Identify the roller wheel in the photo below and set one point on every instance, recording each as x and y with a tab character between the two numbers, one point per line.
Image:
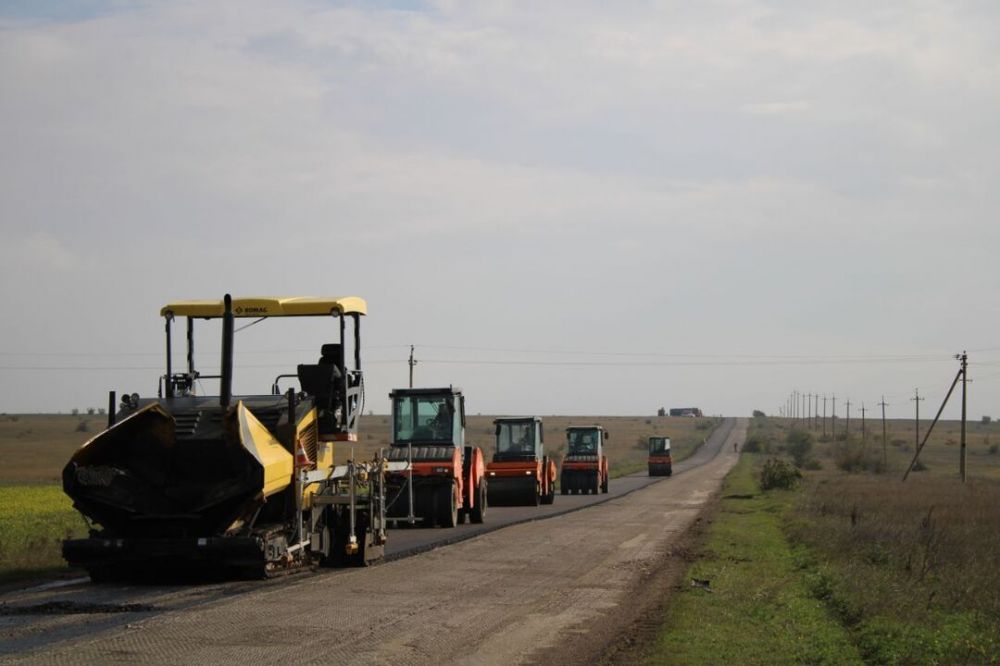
478	513
536	496
447	510
549	497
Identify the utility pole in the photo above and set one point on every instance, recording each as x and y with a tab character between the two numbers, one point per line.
930	429
809	418
965	380
916	400
833	418
824	416
885	461
412	362
863	440
847	424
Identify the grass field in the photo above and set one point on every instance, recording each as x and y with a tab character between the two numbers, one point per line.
34	519
35	515
905	570
760	609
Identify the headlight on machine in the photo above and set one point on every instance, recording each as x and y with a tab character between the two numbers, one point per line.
442	470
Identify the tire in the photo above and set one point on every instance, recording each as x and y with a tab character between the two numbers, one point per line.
670	471
549	497
604	486
536	496
477	514
447	509
596	489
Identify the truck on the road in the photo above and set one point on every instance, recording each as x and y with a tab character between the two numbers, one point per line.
585	466
445	480
240	484
520	473
660	463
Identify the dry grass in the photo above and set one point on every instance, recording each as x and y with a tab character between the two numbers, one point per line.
940	455
909	568
35	447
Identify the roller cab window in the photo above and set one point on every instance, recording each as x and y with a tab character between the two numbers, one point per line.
428	419
583	442
659	445
516	438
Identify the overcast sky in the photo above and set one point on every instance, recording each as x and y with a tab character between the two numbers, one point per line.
651	203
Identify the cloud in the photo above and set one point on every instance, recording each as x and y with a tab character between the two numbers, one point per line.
777	108
694	164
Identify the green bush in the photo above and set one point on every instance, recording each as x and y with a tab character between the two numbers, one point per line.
779	474
799	446
756	443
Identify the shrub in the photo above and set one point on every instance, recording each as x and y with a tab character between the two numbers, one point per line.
757	414
82	426
778	474
852	458
756	443
812	464
799	445
986	420
994	448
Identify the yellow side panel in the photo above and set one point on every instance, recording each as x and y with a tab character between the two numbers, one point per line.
278	463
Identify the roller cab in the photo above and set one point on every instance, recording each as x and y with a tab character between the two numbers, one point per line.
520	473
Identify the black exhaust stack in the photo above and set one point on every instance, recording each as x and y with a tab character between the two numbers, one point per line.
226	390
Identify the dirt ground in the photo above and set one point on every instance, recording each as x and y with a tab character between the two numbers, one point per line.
568	590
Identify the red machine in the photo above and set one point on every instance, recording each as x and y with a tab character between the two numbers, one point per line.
660	462
446	482
585	467
520	472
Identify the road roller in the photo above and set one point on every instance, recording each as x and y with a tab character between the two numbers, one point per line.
520	473
444	480
659	462
584	468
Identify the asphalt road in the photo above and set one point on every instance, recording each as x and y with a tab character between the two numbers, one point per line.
54	622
